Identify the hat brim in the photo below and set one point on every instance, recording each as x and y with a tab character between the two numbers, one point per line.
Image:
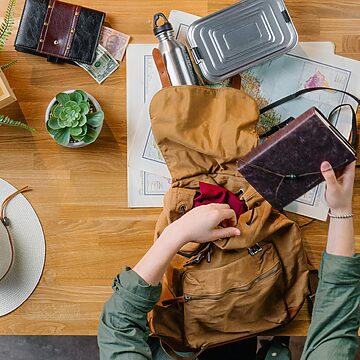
29	251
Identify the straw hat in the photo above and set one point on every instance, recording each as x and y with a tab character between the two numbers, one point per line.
19	277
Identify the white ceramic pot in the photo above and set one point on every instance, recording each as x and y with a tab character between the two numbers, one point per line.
97	107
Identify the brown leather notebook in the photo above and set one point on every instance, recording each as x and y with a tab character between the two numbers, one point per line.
287	164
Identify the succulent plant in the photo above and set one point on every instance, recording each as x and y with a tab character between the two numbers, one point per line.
73	118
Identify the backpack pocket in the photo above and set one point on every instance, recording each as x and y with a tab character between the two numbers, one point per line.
229	303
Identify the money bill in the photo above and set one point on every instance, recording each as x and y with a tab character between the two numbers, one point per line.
115	42
103	66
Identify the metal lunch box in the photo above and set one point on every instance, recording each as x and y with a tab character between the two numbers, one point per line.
241	36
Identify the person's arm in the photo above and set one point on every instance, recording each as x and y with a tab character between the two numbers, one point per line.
123	329
333	333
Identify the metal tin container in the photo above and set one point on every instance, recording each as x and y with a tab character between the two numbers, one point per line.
241	36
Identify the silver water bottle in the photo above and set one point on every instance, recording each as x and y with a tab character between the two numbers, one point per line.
174	53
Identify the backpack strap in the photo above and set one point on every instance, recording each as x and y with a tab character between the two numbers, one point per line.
173	355
304	91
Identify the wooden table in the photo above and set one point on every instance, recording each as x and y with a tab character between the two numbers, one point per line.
81	195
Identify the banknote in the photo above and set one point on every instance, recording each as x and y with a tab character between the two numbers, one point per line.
103	66
115	42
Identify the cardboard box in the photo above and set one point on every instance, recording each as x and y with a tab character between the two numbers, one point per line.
7	96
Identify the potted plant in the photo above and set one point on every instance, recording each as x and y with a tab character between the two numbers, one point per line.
74	118
5	31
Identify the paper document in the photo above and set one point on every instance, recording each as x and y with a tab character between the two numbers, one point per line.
140	70
145	189
181	21
144	153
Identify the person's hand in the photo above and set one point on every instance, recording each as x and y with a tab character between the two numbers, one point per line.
201	224
339	190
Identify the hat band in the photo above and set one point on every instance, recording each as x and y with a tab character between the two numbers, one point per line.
4	221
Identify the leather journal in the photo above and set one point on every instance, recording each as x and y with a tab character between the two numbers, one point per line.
60	31
287	164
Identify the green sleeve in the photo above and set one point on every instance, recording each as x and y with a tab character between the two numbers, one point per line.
333	333
123	330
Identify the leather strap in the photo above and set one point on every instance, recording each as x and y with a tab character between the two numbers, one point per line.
161	68
58	30
4	221
304	91
235	82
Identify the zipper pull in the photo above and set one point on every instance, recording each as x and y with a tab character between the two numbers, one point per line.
197	260
209	256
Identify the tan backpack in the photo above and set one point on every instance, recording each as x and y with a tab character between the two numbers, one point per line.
232	288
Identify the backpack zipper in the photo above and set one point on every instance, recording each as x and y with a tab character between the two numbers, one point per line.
188	297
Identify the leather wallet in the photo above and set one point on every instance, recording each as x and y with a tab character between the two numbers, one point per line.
60	31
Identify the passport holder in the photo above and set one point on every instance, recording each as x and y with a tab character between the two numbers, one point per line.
59	31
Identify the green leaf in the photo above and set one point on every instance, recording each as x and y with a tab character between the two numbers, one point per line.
53	124
56	110
4	120
83	133
95	119
62	98
75	96
85	108
50	130
7	23
63	116
78	138
8	65
91	136
62	136
82	120
62	123
84	130
76	109
70	104
83	94
75	131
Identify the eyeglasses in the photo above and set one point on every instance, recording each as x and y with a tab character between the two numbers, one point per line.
7	261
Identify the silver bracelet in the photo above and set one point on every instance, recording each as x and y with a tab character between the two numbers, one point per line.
345	216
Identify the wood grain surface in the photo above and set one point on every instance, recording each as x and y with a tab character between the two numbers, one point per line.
81	195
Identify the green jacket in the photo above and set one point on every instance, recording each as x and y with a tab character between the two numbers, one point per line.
333	333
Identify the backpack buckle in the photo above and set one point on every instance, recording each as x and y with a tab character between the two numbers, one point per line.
254	249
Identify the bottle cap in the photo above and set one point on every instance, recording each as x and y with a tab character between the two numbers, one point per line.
166	26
